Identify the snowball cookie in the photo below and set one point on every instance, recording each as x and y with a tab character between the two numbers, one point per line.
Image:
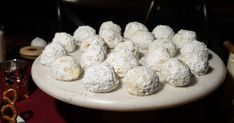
183	36
197	64
195	47
65	69
111	37
66	40
122	62
155	58
92	41
93	55
165	43
100	78
51	52
132	27
38	42
109	25
175	73
141	81
163	32
82	33
142	39
127	46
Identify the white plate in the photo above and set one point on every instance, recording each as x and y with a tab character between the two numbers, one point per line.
119	100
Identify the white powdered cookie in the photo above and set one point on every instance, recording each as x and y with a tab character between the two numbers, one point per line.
195	47
65	69
51	52
183	36
133	27
93	55
163	32
142	39
82	33
165	43
38	42
66	40
100	78
109	25
92	41
175	73
111	37
127	46
122	62
141	81
197	63
155	58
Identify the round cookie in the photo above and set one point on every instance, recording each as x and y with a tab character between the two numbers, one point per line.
142	39
92	41
111	37
164	43
175	73
133	27
93	55
38	42
155	58
183	36
198	65
100	78
122	62
30	52
82	33
163	32
51	52
65	69
109	25
141	81
127	46
65	40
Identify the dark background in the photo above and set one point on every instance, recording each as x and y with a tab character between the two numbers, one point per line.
31	18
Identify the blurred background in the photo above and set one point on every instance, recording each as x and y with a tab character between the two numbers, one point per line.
213	20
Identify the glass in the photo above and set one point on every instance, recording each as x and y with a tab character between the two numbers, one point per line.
14	74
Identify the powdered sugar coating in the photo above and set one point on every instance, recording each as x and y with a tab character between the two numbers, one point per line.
95	54
164	43
127	46
142	39
110	25
133	27
51	52
155	58
65	69
195	48
197	63
175	73
122	62
66	40
163	32
38	42
82	33
92	41
183	36
100	78
141	81
112	38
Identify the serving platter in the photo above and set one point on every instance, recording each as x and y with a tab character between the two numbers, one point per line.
120	100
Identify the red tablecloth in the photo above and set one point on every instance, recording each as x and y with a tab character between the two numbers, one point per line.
39	108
